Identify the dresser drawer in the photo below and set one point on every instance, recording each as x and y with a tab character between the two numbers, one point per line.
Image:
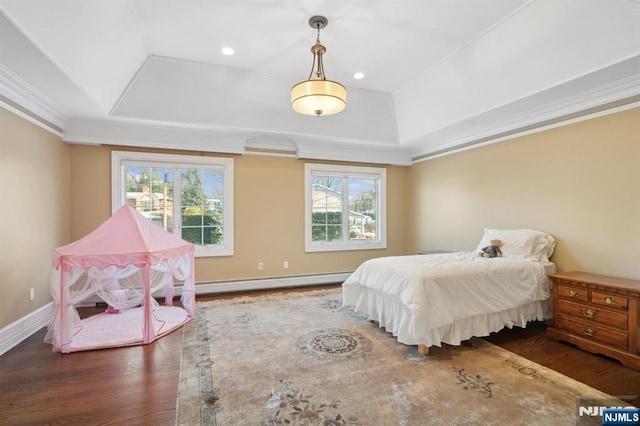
610	300
593	332
575	293
598	313
591	313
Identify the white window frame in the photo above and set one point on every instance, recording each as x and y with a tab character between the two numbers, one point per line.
377	173
120	159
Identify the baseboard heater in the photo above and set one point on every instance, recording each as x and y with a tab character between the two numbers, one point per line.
215	287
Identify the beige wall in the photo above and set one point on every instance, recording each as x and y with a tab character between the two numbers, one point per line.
34	218
580	182
268	216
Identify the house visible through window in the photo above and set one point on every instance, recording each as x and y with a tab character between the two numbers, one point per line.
188	196
344	208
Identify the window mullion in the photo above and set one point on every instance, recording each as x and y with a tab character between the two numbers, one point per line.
345	209
177	202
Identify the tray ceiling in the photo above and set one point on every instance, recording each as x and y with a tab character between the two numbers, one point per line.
438	75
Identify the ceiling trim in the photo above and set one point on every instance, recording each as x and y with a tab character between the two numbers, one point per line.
538	110
595	112
152	135
317	149
271	144
30	102
21	112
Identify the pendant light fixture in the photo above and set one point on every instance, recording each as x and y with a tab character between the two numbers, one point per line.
317	95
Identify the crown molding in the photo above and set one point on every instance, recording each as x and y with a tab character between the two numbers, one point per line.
552	124
552	107
271	144
360	153
578	99
32	104
152	135
270	147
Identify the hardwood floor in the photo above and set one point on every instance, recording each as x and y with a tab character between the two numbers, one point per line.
600	372
137	385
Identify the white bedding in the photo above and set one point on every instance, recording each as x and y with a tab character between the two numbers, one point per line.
449	297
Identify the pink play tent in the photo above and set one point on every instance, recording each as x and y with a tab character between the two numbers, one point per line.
126	262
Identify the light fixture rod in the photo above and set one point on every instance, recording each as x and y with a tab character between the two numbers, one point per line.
317	95
318	22
317	50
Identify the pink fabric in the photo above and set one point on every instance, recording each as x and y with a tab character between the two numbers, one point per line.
115	251
127	238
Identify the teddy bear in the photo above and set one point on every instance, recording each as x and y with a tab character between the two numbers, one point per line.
493	250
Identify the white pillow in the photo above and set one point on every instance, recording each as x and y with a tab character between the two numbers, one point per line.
520	243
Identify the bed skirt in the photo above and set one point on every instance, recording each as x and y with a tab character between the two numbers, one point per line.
397	319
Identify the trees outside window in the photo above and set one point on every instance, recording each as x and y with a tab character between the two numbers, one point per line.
344	207
189	196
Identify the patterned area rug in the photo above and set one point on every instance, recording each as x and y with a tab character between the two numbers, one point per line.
303	359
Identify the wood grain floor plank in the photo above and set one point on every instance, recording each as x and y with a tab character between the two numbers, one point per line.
137	385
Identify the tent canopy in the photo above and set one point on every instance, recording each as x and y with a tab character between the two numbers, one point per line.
127	238
124	261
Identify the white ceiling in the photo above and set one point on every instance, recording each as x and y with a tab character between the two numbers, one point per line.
439	74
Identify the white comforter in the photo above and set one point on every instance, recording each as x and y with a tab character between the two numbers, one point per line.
449	297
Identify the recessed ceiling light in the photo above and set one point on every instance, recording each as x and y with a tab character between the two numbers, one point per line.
358	76
227	51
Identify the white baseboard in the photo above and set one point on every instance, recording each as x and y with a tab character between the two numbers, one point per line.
13	334
21	329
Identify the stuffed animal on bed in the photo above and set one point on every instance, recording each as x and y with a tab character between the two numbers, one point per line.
493	250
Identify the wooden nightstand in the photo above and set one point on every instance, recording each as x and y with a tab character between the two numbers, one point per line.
598	313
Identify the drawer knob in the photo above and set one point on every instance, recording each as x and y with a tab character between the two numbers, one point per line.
589	331
572	293
609	300
589	313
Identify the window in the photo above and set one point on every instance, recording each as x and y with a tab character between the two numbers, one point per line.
190	196
344	208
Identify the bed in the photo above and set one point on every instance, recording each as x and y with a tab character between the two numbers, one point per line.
427	300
